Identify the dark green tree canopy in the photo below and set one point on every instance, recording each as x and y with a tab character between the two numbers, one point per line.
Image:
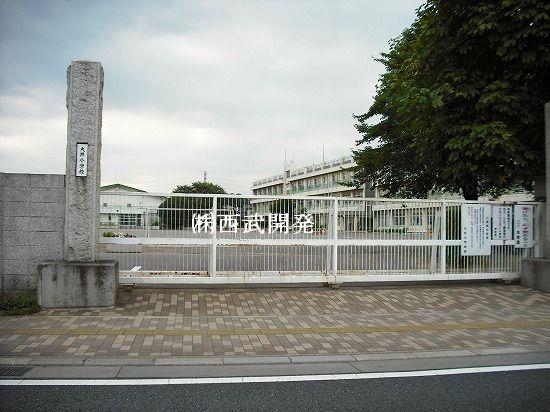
200	187
176	212
460	107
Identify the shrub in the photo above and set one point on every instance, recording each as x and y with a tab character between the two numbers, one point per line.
19	305
118	234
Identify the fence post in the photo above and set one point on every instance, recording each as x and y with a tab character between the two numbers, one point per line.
214	239
435	228
146	222
443	254
335	238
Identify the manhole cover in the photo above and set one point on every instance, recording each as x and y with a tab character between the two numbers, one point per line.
14	370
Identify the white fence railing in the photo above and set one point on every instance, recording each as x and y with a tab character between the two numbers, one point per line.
272	239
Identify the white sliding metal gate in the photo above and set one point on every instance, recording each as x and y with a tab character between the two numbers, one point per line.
179	238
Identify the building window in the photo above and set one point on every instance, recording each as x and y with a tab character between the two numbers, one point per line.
399	217
130	220
416	218
129	205
431	217
104	204
384	218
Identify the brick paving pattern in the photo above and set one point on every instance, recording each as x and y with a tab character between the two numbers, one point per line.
226	322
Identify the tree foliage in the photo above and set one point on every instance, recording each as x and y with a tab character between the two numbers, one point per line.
176	212
200	188
460	105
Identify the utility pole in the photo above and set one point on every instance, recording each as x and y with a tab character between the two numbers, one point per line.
205	176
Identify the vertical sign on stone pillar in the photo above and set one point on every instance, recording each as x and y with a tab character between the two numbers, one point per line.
84	106
81	160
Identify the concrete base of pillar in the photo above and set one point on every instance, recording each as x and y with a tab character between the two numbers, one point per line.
535	274
77	284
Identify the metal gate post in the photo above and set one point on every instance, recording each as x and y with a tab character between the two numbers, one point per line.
214	238
335	238
443	254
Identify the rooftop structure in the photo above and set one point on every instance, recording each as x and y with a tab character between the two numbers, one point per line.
322	179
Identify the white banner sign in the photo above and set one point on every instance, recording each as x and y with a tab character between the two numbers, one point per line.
523	218
502	223
81	159
276	222
476	229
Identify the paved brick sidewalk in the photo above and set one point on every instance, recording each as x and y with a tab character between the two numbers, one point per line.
156	323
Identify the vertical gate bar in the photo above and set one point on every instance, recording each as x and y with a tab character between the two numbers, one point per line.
146	222
328	233
443	254
214	239
335	238
537	224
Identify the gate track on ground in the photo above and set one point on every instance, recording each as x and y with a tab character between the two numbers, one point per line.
280	331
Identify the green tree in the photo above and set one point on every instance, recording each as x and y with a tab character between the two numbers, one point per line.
200	188
176	212
460	105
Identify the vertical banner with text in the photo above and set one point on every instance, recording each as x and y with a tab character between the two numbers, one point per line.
81	160
476	229
523	219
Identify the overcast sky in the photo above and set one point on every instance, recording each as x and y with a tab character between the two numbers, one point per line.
193	85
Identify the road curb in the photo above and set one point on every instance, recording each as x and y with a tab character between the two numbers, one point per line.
267	360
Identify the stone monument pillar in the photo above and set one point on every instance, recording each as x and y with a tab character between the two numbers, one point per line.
82	180
81	280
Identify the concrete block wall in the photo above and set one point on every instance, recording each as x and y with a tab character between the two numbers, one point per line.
32	210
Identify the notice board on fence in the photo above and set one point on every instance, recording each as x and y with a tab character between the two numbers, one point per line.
523	219
502	223
475	229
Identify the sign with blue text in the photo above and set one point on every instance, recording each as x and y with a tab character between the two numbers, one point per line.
523	218
502	223
475	229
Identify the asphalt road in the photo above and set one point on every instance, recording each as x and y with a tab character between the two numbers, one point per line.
295	258
267	258
497	391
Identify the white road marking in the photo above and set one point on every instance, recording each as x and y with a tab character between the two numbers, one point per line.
263	379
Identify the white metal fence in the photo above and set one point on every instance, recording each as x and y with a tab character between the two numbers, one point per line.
281	239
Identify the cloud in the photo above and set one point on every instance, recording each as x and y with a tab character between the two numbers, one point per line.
224	87
32	131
